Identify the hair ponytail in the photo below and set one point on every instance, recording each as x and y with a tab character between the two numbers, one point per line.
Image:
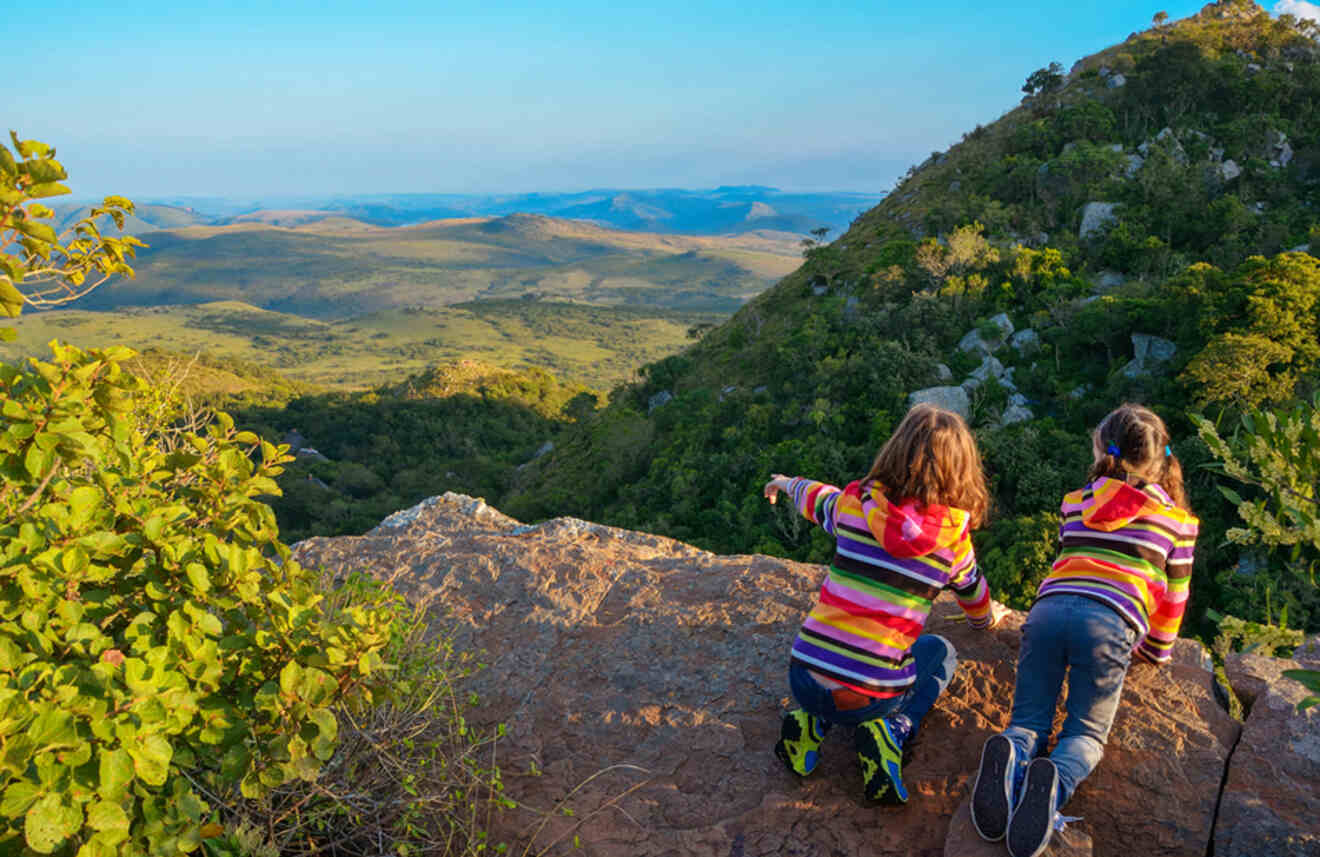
1133	441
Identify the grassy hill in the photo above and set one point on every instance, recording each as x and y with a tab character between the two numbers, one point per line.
336	268
1152	191
594	345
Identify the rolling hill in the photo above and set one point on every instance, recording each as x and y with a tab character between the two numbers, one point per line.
718	211
338	268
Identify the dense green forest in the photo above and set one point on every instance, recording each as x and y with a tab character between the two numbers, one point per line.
1155	190
462	427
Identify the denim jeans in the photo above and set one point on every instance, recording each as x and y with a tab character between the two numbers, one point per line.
1093	644
935	662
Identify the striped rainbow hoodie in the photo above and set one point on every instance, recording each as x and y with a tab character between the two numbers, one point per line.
890	563
1131	548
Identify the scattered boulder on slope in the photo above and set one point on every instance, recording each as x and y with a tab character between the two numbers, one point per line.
976	343
1148	352
1025	341
659	400
1096	216
650	675
950	398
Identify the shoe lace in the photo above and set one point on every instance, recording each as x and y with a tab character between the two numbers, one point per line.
1061	821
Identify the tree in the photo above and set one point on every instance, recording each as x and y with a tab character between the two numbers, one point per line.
1044	80
816	241
37	265
1160	19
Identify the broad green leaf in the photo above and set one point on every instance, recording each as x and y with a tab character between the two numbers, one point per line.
323	746
116	768
290	677
153	527
30	148
38	461
37	230
1309	679
83	501
107	815
198	576
11	299
47	189
45	170
53	730
151	759
49	822
18	797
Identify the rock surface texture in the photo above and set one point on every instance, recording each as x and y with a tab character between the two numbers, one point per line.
1271	804
647	678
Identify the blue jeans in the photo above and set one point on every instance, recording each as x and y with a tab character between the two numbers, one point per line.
1093	644
935	661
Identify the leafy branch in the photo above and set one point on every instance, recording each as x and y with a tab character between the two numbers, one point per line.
38	266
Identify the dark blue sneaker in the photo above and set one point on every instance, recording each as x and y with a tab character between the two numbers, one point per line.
1034	818
992	795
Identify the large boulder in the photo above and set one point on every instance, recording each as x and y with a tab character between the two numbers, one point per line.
950	398
1026	341
647	678
1096	217
1148	354
983	343
1271	802
990	368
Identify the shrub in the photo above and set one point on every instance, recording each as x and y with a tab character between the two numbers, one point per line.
1016	555
410	771
157	642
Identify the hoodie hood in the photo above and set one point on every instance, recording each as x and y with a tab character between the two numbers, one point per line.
909	529
1112	503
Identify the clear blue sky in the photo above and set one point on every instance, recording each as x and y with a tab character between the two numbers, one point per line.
260	99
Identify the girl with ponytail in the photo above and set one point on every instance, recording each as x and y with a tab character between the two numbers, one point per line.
1116	591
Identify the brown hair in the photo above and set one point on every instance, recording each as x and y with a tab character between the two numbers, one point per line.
932	458
1133	441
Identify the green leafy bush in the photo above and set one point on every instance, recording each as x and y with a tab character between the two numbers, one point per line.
1278	453
157	642
410	770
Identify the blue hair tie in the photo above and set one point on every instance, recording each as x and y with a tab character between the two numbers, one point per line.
1168	451
1113	449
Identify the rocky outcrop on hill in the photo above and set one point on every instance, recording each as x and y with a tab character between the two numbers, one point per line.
1271	804
646	678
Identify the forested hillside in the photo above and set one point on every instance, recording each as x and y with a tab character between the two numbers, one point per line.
1139	224
463	426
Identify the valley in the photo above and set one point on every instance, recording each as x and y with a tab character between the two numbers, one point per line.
345	304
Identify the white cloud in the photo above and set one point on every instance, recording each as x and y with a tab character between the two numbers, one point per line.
1298	9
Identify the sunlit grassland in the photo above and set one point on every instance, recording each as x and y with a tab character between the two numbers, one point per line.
594	345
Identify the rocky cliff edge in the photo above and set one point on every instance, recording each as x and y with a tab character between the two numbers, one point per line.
647	677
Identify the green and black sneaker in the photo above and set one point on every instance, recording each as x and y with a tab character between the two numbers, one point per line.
798	746
881	756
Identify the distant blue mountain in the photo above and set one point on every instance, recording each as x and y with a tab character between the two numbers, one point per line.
718	211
